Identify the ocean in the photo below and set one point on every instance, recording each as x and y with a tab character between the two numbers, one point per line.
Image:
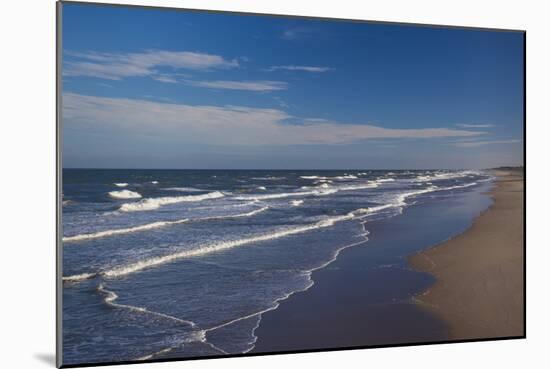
163	263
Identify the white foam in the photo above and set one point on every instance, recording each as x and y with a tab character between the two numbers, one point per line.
261	188
114	232
358	186
402	197
150	356
240	215
382	180
296	202
155	203
124	194
202	335
288	194
221	246
149	226
461	186
399	202
183	189
444	175
313	177
375	209
112	296
121	184
268	178
154	182
79	277
347	176
423	178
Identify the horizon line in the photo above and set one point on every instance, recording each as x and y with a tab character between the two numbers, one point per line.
289	169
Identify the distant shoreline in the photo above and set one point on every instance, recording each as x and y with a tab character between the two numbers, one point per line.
479	288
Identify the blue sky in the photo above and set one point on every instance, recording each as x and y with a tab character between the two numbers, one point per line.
146	88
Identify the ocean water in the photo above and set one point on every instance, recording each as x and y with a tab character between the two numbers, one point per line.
186	261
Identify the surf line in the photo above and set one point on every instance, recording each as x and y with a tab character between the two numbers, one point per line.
225	245
171	348
154	225
203	333
111	296
277	302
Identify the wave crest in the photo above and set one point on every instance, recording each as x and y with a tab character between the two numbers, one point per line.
220	246
155	203
125	194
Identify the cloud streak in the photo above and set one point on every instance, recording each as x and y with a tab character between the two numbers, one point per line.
303	68
258	86
468	144
117	66
296	33
222	125
475	125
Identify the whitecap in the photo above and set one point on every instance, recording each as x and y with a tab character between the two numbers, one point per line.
154	225
155	203
288	194
183	189
220	246
347	176
113	232
124	194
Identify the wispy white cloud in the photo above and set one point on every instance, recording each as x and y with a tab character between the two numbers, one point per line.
222	125
467	144
296	33
303	68
260	86
281	102
165	78
475	125
116	66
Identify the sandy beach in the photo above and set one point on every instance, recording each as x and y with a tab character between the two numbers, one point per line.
479	289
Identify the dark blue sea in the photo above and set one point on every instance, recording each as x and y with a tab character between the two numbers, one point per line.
163	261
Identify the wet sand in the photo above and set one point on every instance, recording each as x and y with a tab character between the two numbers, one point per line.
479	290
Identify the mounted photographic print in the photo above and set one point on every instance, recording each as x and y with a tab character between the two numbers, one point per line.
241	184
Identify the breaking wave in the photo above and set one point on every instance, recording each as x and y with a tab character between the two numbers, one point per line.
183	189
155	203
114	232
124	194
398	202
149	226
220	246
287	194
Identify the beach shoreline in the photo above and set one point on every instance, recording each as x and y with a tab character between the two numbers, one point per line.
365	298
479	288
